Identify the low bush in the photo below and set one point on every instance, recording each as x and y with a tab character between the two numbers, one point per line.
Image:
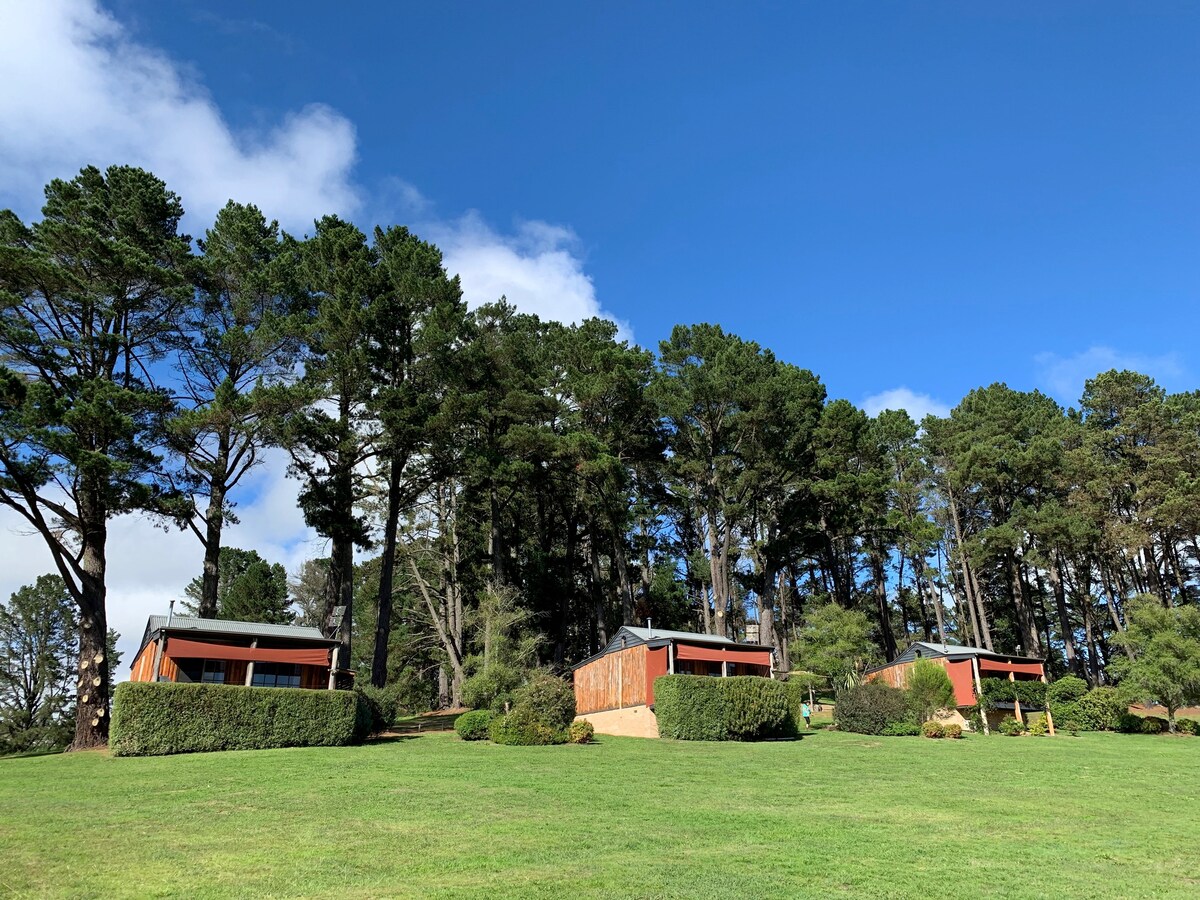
1100	709
742	708
521	727
1129	723
493	689
953	730
1010	726
473	725
548	699
1154	725
1038	727
155	718
1067	689
870	708
933	729
581	732
1187	726
901	729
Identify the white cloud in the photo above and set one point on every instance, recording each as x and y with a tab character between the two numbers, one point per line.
918	406
149	566
1064	376
537	268
79	90
109	99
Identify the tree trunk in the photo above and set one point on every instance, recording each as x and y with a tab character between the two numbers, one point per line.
1020	596
92	692
387	569
1064	620
214	522
885	622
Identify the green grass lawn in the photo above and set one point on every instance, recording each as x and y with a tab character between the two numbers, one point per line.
830	815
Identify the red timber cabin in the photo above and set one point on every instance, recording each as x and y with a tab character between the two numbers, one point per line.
614	690
217	651
966	666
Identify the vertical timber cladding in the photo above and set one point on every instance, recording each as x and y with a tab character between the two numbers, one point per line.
959	671
612	681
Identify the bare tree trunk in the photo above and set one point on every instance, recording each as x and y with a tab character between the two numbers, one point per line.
1064	620
93	689
387	569
214	521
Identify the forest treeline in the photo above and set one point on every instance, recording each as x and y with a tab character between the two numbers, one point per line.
511	485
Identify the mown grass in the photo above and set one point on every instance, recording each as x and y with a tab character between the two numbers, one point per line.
829	815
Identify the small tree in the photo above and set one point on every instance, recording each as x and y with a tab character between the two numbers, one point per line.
37	660
249	589
835	642
1165	642
929	689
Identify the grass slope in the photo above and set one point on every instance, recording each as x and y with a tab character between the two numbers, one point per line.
831	815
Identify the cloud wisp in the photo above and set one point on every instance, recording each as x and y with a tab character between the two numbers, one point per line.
1064	376
917	405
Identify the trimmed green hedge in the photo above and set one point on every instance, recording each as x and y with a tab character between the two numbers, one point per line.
870	708
474	725
703	708
1001	690
152	719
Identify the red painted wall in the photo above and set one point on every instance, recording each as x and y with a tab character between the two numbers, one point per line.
656	665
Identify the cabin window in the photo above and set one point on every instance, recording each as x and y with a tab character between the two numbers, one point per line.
276	675
214	671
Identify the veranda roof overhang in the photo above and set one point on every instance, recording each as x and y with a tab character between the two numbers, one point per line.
182	648
722	654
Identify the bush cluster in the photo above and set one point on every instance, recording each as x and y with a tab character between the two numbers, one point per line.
1067	689
542	711
870	708
1038	727
742	708
1099	709
155	718
933	729
1187	726
901	729
580	732
473	725
1010	726
952	730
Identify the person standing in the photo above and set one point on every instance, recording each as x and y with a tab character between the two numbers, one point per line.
806	712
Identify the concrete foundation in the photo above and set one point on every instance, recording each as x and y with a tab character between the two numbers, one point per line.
632	721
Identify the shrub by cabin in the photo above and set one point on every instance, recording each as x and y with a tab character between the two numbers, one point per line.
968	668
614	690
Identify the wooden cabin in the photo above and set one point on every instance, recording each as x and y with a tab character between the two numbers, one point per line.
966	666
614	690
217	651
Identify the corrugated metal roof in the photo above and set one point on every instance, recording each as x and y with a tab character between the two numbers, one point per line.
660	634
227	626
950	650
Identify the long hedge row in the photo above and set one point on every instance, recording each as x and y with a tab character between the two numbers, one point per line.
152	719
742	708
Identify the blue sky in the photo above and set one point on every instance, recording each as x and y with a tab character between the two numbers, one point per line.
910	199
932	195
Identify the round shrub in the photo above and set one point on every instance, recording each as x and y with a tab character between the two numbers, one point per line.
1010	726
1039	727
1129	723
870	708
1100	709
953	730
491	689
1154	725
901	729
522	728
547	699
1187	726
473	725
1067	689
933	730
580	732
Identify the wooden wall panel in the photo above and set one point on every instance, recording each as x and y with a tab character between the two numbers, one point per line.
612	681
143	666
